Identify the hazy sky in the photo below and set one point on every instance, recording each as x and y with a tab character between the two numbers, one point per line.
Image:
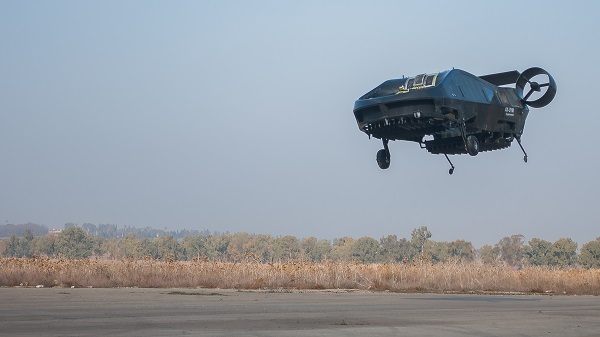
237	116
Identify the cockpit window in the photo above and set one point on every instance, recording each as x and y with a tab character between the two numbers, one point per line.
430	80
403	85
418	82
419	79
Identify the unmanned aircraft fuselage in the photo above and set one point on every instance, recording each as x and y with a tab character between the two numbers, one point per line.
456	111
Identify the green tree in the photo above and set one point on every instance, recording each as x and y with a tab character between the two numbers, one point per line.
195	246
564	252
511	250
260	247
322	251
538	252
44	245
315	250
340	251
70	224
461	249
236	248
590	254
16	247
3	248
28	235
168	248
365	250
286	248
73	242
391	249
217	247
438	251
488	254
130	247
22	246
307	247
419	237
110	249
148	247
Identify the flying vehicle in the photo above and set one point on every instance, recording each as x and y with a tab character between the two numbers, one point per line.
453	112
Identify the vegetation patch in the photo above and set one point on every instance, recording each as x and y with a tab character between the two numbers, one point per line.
416	276
90	241
76	258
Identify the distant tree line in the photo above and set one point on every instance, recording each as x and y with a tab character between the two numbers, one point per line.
10	229
112	231
77	242
107	231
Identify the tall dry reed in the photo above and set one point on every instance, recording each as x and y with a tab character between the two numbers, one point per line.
421	277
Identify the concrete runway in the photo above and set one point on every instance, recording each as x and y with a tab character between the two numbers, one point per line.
215	312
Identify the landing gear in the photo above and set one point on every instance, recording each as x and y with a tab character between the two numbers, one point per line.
472	145
383	159
383	156
518	138
451	170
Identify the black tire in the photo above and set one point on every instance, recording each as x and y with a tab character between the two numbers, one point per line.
472	145
383	159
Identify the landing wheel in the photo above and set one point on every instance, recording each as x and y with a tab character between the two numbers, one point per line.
383	159
472	145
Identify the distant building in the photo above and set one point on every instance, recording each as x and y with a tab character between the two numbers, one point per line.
54	231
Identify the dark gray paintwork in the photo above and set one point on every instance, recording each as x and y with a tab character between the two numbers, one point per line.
456	106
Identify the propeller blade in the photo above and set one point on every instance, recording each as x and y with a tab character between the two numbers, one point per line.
528	94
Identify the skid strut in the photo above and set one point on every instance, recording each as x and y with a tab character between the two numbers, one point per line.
385	145
522	149
451	170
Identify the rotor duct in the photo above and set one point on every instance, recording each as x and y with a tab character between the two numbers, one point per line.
527	77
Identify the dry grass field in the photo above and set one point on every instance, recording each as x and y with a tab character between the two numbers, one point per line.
397	277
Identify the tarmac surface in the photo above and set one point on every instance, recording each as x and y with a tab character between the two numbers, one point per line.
217	312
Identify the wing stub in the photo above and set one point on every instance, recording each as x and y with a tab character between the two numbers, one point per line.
507	77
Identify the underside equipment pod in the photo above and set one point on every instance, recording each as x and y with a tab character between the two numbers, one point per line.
453	112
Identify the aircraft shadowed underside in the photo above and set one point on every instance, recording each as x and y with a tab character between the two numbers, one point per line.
453	112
